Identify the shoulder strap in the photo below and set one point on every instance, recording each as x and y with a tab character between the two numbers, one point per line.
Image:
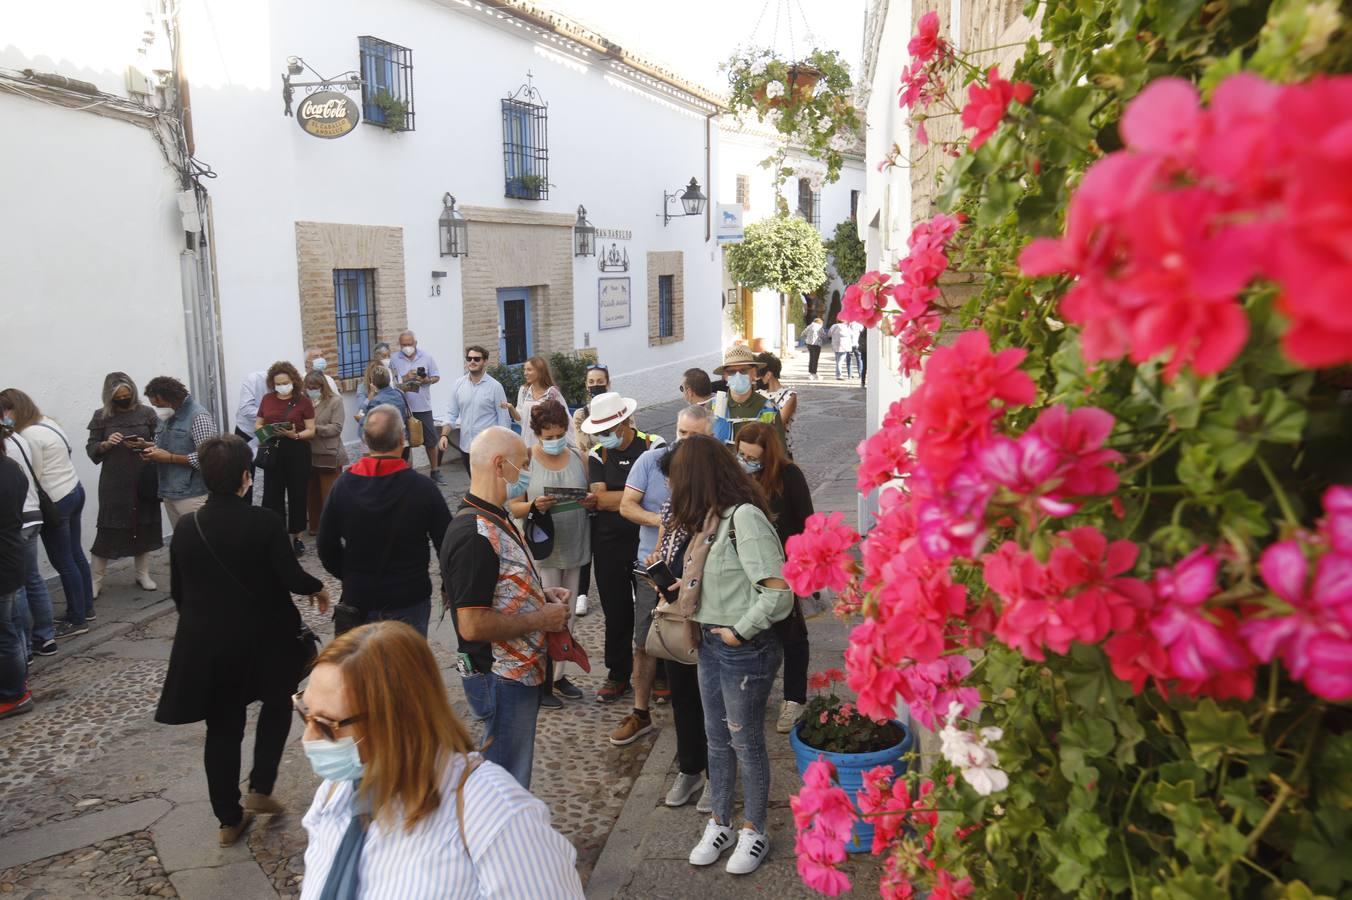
28	465
206	543
57	433
511	531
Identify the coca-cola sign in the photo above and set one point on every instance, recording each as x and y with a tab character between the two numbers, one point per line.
327	114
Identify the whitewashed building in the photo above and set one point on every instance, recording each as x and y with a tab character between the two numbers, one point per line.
746	194
166	213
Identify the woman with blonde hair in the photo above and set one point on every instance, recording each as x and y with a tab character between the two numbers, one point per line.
407	808
537	386
328	456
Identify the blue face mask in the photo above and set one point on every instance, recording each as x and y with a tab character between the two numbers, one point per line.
335	760
739	383
609	441
319	364
752	466
315	395
554	446
520	486
7	421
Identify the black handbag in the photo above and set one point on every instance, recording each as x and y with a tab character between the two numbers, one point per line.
268	455
51	518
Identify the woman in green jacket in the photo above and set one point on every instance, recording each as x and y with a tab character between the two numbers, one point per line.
741	595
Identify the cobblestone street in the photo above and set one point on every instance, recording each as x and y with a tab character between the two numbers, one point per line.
98	800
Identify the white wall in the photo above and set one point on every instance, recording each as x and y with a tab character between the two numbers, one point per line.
89	255
613	146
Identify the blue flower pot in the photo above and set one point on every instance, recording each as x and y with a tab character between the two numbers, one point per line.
850	769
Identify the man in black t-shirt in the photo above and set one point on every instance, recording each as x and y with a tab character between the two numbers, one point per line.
614	538
500	610
15	698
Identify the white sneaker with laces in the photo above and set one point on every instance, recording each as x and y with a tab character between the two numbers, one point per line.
705	803
789	714
717	838
752	848
580	608
683	788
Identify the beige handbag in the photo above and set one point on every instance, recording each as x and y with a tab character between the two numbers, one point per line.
675	635
415	432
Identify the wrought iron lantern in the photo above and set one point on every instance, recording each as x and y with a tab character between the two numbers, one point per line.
584	235
454	229
692	201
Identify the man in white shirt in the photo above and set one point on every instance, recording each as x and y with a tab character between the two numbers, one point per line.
476	404
251	391
416	372
842	344
315	361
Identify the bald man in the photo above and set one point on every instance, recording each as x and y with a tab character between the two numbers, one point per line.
499	608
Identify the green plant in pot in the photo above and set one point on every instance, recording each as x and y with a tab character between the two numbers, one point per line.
393	109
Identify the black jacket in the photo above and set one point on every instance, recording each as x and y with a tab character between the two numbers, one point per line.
13	493
375	530
792	505
237	629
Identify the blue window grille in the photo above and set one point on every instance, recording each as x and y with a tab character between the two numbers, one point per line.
354	310
386	78
666	306
525	144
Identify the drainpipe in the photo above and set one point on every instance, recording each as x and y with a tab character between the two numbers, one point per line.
708	176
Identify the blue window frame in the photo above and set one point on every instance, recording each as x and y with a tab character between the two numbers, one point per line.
666	306
386	75
525	149
516	344
354	310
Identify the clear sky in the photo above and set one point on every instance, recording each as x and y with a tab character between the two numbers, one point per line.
694	36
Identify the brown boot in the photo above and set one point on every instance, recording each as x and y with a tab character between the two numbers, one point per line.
230	833
263	804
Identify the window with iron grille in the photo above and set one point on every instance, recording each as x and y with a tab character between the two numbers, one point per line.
386	84
809	202
666	306
354	310
525	144
744	191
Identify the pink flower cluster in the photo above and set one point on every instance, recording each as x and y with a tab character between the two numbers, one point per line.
987	105
824	818
822	681
819	557
1162	237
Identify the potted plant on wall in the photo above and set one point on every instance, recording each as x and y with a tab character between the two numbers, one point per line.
808	101
834	730
393	110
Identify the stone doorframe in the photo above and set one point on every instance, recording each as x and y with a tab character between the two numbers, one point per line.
518	248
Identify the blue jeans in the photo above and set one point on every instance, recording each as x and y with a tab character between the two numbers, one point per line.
68	557
33	595
848	356
13	653
734	686
508	710
417	616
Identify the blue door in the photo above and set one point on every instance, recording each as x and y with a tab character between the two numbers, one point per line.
515	345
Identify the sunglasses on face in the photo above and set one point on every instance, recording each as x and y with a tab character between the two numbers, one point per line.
327	727
474	359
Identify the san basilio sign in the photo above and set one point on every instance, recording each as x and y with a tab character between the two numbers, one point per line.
327	114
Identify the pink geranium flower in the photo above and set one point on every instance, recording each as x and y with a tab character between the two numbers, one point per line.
914	78
865	300
926	43
819	557
986	105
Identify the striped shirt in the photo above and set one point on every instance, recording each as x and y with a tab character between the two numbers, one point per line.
509	851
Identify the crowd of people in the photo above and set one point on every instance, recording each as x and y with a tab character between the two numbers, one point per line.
684	541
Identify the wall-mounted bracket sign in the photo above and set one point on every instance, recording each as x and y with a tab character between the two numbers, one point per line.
613	260
325	112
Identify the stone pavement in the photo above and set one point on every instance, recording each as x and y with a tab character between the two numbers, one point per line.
646	856
98	800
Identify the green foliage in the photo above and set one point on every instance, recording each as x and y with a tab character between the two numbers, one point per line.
569	371
510	378
844	729
783	253
1113	792
847	252
812	118
394	109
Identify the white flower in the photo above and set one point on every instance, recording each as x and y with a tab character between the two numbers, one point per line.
774	89
985	781
824	124
971	755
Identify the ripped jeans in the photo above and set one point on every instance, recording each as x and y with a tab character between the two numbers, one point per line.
734	686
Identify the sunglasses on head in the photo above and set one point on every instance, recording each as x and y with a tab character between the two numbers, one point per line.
474	358
602	366
327	727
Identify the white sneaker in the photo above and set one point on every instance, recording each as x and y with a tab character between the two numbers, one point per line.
683	788
717	838
580	608
705	804
789	714
752	847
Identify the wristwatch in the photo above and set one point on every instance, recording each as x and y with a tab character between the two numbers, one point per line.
737	634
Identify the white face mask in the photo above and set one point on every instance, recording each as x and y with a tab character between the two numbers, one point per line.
408	351
284	390
320	364
163	412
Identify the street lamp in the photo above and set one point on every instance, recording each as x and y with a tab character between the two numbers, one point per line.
692	199
584	234
454	229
